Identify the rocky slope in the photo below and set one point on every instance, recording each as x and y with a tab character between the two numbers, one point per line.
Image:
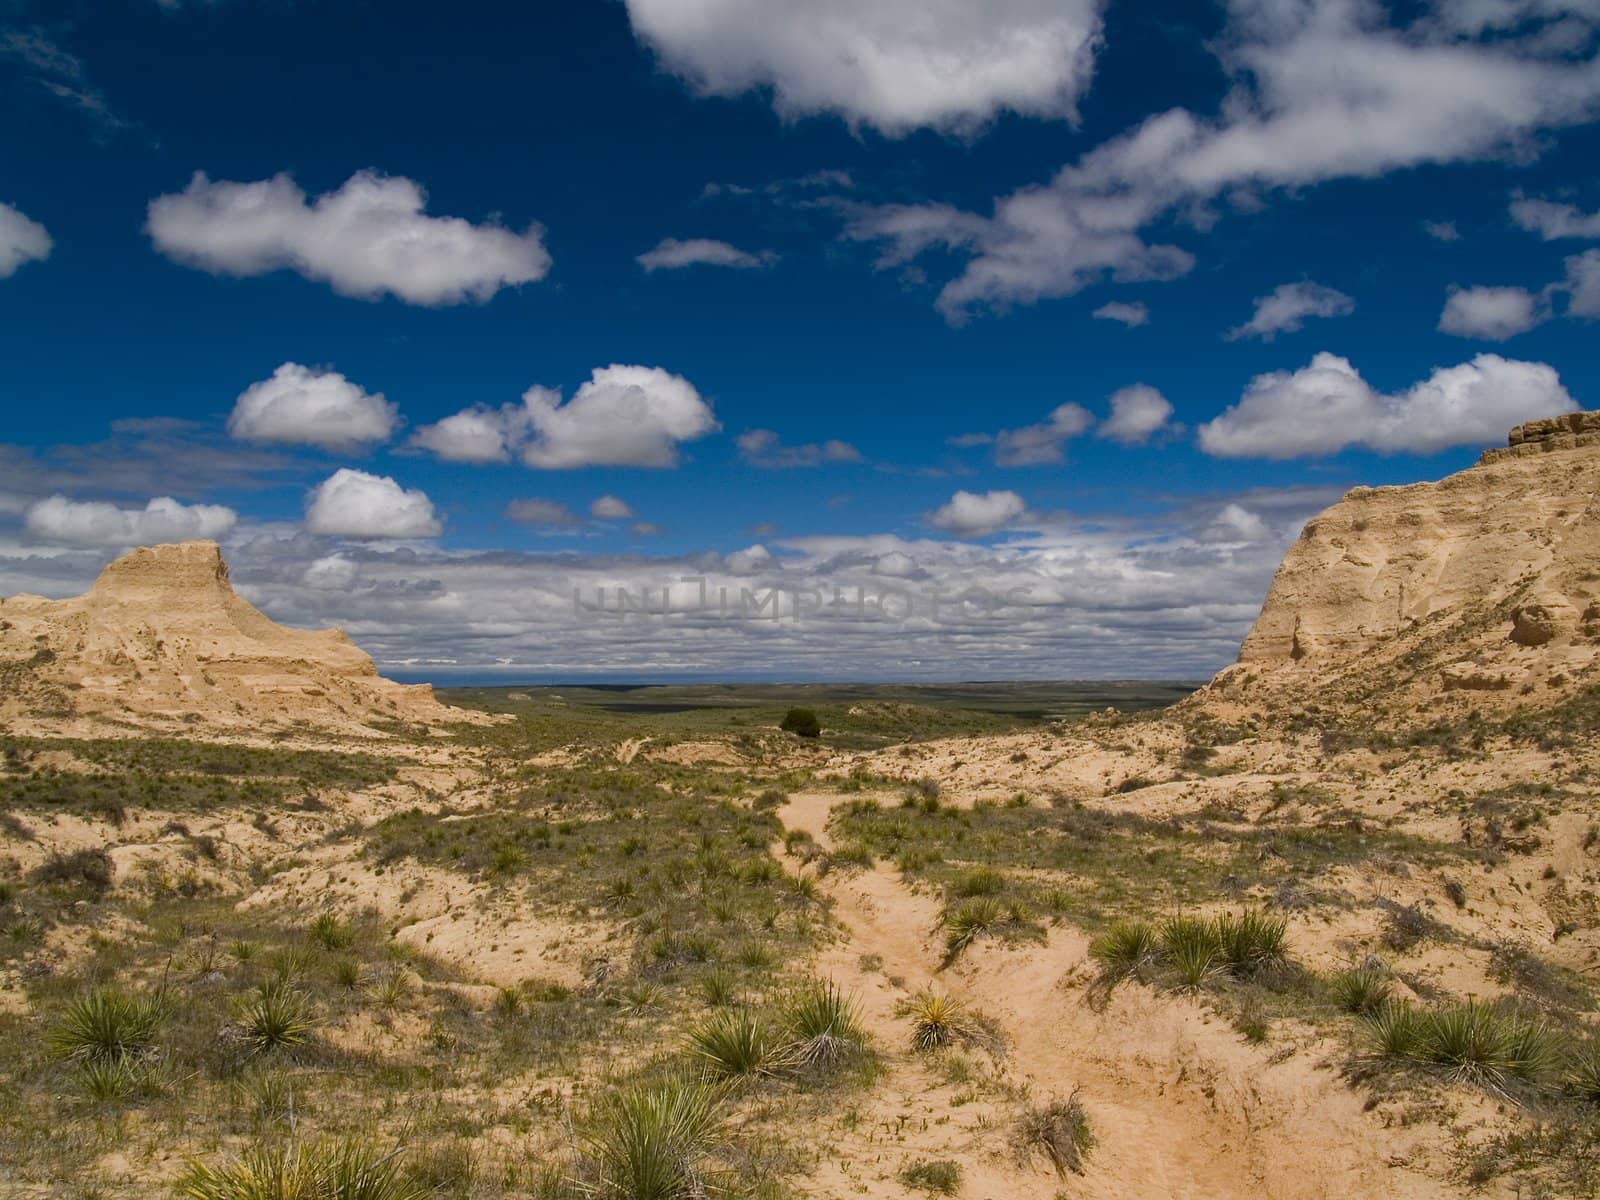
162	638
1480	590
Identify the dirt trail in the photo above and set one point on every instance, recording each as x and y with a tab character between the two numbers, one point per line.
1180	1106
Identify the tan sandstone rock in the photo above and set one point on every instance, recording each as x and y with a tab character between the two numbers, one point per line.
163	637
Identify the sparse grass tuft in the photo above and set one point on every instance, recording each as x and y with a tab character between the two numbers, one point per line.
329	932
980	881
107	1025
719	987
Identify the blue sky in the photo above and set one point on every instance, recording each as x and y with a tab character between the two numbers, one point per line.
809	293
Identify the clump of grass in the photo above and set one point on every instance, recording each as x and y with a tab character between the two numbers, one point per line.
823	1029
110	1080
757	956
347	972
1060	1131
971	920
732	1044
937	1021
1192	950
243	950
510	1002
1361	990
1127	948
106	1025
329	932
354	1169
275	1017
938	1175
1252	941
652	1142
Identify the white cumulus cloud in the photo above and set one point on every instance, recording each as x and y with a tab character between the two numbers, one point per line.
610	508
97	523
623	416
1326	406
671	254
1583	285
354	504
1286	308
1551	220
1138	412
1035	445
551	514
303	406
894	65
1492	313
974	514
368	238
22	240
1132	315
1323	90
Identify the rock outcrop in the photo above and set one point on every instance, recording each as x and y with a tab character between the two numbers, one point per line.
162	637
1486	582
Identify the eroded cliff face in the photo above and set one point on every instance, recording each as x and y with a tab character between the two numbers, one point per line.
163	637
1485	582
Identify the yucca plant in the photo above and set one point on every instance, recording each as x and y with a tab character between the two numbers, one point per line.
1252	941
1192	950
719	988
329	932
732	1043
757	956
510	1002
107	1024
640	998
393	987
275	1016
980	881
288	963
970	920
1126	948
1360	990
823	1029
354	1169
1581	1079
651	1142
1395	1029
347	972
937	1021
109	1080
1484	1045
243	950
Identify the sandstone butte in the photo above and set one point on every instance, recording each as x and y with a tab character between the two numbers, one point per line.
1480	590
163	639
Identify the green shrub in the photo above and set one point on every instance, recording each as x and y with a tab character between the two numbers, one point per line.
653	1142
981	881
720	988
106	1025
1581	1079
802	722
970	920
1487	1046
1395	1029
